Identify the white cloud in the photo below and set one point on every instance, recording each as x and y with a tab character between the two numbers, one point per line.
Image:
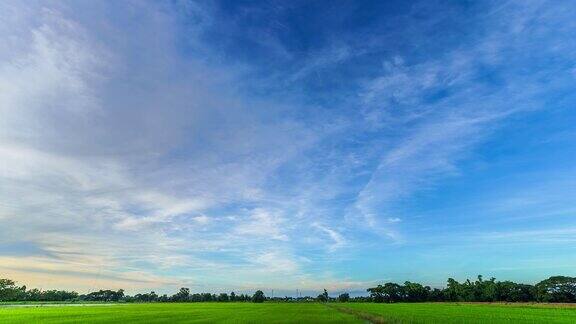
202	219
338	240
432	135
120	153
89	137
264	224
274	262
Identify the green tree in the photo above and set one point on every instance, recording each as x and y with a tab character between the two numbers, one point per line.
388	293
436	295
343	298
415	292
223	297
557	289
182	295
323	297
258	297
513	292
9	291
453	290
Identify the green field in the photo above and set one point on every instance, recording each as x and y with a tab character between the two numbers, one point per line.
289	313
465	313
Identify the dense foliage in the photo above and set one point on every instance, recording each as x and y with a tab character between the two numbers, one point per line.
557	289
258	297
9	291
553	289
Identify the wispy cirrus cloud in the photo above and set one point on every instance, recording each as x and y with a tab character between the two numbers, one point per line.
81	155
439	110
178	160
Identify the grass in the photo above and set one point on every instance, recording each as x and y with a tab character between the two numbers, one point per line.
464	313
290	313
179	313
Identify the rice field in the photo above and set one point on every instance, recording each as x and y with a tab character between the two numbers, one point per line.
464	313
179	313
288	313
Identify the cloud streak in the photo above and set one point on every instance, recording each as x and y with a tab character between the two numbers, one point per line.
178	161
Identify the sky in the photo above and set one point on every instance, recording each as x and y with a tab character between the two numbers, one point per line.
243	145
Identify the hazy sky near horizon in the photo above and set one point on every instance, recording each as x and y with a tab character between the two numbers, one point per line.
236	145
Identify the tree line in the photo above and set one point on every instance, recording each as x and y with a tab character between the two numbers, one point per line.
556	289
11	292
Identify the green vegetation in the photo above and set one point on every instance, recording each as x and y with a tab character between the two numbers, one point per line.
258	297
387	303
291	313
462	313
556	289
180	313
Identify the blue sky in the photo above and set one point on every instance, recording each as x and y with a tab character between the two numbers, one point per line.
242	145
